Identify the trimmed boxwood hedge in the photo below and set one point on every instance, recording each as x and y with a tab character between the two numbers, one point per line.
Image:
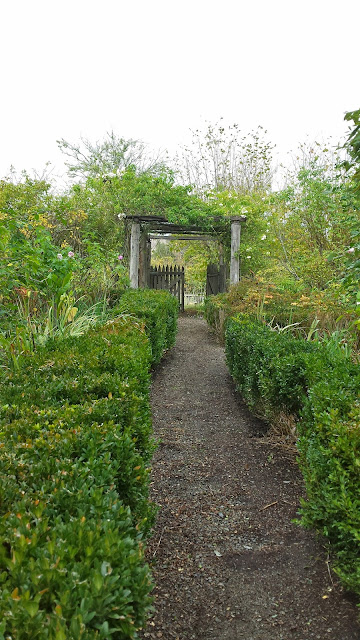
75	443
321	387
159	312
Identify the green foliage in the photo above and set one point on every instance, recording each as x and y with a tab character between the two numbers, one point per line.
353	147
92	214
319	385
75	442
29	259
254	353
330	461
283	304
254	206
86	217
158	310
41	273
146	194
101	275
301	232
309	223
64	319
351	280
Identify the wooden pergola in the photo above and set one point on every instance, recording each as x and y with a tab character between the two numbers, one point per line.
145	227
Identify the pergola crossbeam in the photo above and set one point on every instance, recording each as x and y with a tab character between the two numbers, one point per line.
179	237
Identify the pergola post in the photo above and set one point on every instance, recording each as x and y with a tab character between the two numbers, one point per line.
134	254
235	248
144	260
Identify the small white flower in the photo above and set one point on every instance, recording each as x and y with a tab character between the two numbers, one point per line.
59	256
351	250
263	237
248	256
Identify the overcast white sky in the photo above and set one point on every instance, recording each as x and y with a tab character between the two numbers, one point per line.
153	69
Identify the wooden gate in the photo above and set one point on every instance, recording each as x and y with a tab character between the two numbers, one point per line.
215	279
169	278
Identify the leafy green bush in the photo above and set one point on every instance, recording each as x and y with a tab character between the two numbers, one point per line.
75	441
330	462
320	386
158	310
253	355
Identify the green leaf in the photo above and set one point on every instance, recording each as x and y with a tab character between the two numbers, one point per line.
2	629
31	607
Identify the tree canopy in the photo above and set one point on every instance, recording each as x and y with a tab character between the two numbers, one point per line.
110	156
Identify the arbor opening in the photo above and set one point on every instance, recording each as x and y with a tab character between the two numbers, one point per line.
145	230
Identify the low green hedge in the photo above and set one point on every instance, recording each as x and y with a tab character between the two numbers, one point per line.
321	387
75	442
158	310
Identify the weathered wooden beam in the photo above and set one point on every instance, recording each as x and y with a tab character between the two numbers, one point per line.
160	223
134	254
184	228
175	237
169	227
235	248
143	260
146	218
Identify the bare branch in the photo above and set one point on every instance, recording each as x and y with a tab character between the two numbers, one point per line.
221	158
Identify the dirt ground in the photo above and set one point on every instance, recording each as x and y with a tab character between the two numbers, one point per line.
227	560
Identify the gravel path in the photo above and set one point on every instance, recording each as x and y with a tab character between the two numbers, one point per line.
227	560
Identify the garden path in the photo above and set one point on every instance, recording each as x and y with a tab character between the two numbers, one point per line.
228	562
